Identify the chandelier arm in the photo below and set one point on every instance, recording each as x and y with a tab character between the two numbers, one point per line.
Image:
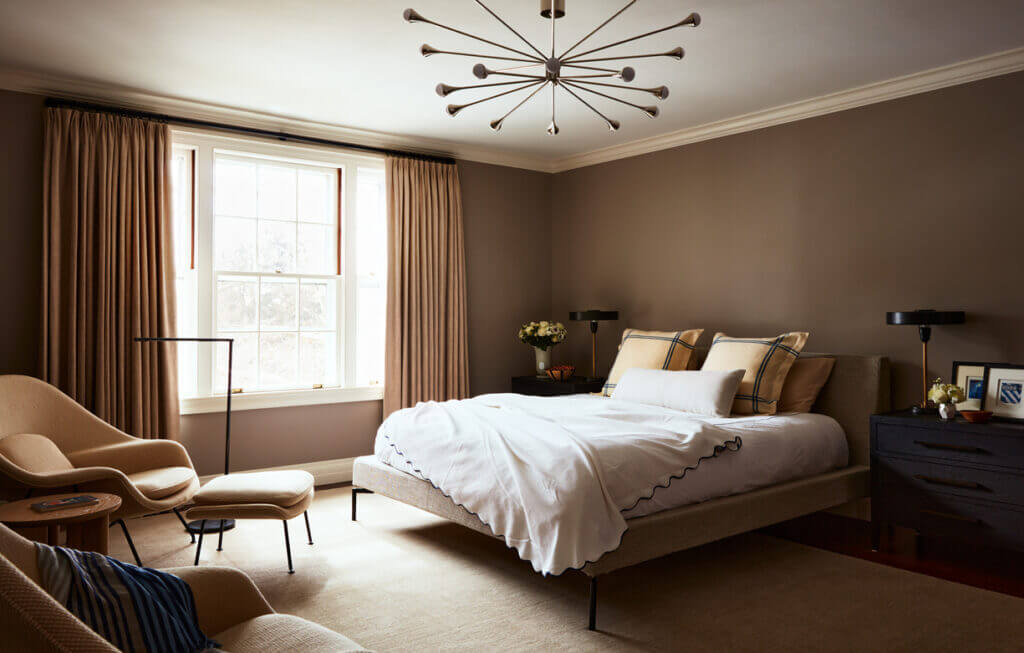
656	92
687	21
529	65
625	56
525	86
532	62
605	95
498	72
612	124
522	102
604	70
604	75
481	39
594	31
452	89
509	27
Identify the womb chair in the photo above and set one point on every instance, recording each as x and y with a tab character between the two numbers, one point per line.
50	442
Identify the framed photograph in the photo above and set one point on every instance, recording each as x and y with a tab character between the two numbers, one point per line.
1004	391
970	377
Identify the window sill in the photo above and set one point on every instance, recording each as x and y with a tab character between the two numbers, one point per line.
281	399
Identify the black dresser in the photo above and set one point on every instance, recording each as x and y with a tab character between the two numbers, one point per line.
948	479
535	385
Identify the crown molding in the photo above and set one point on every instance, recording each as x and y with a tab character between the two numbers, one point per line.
25	81
1001	63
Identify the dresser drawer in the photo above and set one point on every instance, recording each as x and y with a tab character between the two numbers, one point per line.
940	515
917	476
1002	451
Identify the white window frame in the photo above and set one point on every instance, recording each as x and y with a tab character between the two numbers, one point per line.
206	145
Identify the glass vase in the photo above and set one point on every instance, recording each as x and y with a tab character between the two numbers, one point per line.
543	359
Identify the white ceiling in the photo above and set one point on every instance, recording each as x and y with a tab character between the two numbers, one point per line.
356	64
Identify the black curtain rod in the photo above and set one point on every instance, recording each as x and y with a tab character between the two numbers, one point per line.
251	131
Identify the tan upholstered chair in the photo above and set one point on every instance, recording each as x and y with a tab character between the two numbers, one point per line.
229	606
49	442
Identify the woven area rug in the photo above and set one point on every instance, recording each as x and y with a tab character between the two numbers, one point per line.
402	580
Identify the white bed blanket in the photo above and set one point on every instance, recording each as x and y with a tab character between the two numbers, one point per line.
550	475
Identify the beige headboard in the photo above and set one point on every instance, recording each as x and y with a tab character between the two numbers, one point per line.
858	388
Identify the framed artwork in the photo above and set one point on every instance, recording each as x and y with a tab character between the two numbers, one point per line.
970	377
1004	391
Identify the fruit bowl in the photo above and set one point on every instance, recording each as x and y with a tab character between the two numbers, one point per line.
977	416
561	372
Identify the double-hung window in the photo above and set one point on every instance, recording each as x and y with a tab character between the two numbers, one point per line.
283	249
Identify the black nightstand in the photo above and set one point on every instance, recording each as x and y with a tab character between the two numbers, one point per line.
535	385
948	479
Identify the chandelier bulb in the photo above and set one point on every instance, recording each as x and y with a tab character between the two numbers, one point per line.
496	124
426	50
693	20
453	109
443	89
480	71
627	74
411	16
676	54
553	129
661	92
651	111
613	125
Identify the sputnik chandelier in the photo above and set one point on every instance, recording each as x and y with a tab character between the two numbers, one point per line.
572	73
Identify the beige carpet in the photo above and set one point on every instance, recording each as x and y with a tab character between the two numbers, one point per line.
401	579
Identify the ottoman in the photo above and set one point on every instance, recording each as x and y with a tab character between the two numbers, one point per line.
258	495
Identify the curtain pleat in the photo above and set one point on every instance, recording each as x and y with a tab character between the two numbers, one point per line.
427	352
108	268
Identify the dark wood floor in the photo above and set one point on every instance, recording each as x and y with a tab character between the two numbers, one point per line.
997	570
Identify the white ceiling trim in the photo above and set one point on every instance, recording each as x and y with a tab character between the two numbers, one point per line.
962	72
97	92
91	91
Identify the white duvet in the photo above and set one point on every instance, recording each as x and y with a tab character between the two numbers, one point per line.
550	475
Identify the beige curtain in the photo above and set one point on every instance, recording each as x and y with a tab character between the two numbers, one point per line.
108	268
426	356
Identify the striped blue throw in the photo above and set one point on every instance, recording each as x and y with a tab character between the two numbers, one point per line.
134	608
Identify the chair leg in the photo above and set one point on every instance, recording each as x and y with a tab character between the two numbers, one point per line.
185	525
308	531
199	547
356	491
131	544
288	546
593	605
220	537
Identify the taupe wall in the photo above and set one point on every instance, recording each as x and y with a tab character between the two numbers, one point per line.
820	225
21	232
507	228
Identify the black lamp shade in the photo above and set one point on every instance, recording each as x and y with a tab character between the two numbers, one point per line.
924	317
593	316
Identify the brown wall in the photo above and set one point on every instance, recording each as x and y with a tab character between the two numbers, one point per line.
21	232
820	225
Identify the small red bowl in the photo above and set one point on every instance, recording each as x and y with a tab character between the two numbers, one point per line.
977	416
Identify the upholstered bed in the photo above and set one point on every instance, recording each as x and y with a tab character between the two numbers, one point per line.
857	388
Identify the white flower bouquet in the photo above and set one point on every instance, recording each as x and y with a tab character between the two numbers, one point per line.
543	334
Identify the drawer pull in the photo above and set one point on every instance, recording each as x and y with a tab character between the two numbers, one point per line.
949	515
950	447
967	485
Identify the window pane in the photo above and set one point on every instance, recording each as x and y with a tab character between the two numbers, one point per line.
243	368
316	202
181	208
276	246
235	188
236	303
371	224
279	304
317	359
316	305
278	360
316	249
277	192
235	241
188	355
370	318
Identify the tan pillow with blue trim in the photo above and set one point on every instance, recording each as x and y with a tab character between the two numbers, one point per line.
765	361
651	350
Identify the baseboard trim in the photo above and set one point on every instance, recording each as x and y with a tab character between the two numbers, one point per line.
325	472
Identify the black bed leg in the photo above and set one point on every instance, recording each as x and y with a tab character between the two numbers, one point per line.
593	605
355	491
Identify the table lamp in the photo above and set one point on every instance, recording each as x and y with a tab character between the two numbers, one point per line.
593	316
924	320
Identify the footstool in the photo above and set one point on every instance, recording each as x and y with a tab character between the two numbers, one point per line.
258	495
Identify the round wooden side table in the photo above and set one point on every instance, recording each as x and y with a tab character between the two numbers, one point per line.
86	526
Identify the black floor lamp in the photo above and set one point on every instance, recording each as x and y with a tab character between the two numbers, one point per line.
211	525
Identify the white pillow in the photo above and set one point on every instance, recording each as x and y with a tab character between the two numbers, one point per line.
704	392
